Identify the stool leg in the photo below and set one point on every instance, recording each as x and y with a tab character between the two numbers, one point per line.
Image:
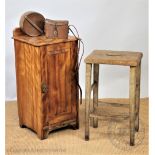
87	99
95	92
132	100
137	97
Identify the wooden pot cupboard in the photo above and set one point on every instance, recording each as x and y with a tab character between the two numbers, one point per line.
47	87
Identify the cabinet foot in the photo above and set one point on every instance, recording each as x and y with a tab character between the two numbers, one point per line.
44	135
75	126
22	125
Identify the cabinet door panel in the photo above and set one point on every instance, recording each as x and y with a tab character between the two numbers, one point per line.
59	85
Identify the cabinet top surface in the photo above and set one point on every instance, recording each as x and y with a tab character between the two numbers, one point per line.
38	41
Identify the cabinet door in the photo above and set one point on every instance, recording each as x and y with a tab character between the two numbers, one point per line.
62	89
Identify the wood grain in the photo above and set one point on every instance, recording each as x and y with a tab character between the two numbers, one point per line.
28	81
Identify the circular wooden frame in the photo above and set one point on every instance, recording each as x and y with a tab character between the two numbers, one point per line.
32	23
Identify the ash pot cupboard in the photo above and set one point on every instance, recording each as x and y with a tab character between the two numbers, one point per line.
47	91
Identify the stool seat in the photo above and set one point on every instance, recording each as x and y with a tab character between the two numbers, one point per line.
125	58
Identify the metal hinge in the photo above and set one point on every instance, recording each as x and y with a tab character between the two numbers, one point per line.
44	88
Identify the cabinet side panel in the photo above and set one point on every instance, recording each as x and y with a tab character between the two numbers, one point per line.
28	84
75	78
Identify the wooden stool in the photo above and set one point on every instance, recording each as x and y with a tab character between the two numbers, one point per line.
132	59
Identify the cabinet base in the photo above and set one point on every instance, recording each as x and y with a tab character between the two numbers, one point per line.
47	129
46	132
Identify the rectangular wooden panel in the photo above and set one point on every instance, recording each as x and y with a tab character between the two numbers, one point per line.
28	85
60	83
57	84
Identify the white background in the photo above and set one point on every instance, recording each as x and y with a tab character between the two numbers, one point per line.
103	24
